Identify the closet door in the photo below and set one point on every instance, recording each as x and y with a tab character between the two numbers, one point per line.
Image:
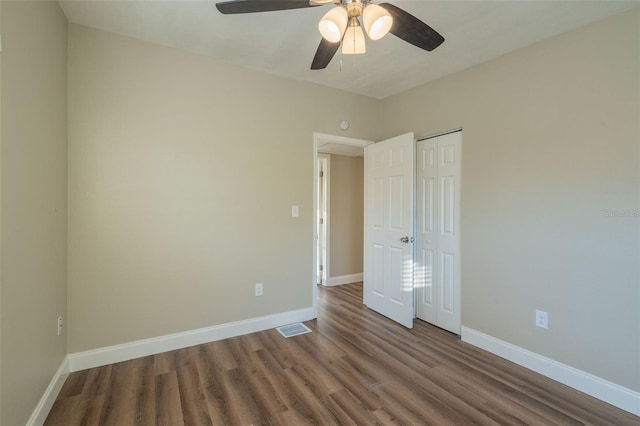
437	270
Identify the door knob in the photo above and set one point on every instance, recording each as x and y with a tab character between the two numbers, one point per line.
407	239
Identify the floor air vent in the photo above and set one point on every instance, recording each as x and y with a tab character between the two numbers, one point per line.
293	329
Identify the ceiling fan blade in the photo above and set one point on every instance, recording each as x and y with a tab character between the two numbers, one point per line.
412	30
250	6
325	53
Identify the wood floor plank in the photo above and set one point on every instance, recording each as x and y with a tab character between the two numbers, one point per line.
256	376
192	397
74	385
219	352
358	413
277	347
299	411
67	410
356	367
246	408
210	378
98	381
144	394
119	405
320	412
168	406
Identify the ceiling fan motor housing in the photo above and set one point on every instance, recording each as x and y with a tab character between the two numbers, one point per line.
354	7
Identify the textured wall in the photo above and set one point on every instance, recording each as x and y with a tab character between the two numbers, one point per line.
33	202
182	173
346	215
551	149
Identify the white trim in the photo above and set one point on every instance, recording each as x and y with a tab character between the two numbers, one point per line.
323	138
117	353
327	204
41	411
619	396
344	279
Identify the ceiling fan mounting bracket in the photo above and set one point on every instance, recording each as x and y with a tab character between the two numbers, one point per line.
354	8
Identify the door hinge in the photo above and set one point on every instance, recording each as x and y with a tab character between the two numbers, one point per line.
321	174
321	221
321	268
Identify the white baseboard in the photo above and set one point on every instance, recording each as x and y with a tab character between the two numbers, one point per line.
41	411
619	396
344	279
117	353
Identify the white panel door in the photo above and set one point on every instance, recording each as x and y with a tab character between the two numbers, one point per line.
388	254
426	237
438	231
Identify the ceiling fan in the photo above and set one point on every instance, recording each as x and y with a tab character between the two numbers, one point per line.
343	24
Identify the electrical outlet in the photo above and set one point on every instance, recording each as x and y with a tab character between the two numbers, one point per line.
259	289
542	319
59	325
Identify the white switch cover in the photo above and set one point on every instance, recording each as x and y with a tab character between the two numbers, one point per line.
294	211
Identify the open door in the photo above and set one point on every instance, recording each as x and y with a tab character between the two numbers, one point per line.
388	251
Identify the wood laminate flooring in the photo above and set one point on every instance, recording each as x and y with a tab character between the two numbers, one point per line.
356	367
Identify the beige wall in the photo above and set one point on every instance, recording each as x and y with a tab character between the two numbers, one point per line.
182	173
551	141
33	203
0	218
346	215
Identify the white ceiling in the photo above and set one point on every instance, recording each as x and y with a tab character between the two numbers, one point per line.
284	42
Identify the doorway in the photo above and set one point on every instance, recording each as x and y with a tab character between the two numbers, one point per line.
337	145
429	271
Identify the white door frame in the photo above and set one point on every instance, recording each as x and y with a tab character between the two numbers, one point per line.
323	240
318	140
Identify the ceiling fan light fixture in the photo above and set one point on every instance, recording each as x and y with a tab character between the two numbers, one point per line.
353	42
377	21
333	24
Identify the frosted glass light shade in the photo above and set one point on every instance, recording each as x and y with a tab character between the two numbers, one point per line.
353	42
333	23
377	21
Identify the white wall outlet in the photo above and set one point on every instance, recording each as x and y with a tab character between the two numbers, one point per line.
59	325
259	289
542	319
295	211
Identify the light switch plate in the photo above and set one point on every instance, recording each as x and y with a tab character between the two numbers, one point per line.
295	212
542	319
